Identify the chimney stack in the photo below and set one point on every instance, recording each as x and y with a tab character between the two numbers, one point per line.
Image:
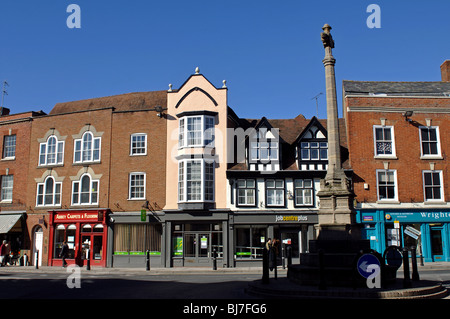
445	71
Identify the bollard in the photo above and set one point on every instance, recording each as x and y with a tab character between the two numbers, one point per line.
415	273
147	260
88	261
289	255
406	278
265	276
214	259
36	258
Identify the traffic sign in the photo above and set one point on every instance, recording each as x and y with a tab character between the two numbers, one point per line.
364	261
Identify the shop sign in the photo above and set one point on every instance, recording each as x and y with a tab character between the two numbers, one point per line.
290	218
409	217
73	216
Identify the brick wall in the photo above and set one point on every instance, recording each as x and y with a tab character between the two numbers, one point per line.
408	164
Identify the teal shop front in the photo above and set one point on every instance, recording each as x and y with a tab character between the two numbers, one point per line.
428	230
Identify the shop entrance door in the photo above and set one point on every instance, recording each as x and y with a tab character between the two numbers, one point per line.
94	243
294	237
197	249
436	243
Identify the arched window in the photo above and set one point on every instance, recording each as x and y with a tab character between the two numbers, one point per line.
87	148
48	192
51	152
85	191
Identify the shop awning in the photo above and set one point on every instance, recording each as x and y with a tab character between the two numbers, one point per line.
7	222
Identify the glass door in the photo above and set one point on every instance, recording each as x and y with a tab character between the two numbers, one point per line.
197	247
436	243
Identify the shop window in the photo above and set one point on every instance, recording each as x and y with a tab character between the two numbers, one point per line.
136	239
65	233
250	242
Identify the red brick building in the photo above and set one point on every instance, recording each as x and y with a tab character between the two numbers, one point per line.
89	160
15	131
398	141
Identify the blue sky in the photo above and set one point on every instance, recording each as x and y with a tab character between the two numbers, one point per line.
269	52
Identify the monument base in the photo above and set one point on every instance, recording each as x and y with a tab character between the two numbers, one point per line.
332	258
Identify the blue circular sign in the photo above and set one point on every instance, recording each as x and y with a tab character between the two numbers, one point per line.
364	261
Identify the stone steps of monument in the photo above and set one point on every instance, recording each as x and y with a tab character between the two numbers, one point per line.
283	288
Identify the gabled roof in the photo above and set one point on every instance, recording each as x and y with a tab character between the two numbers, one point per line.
123	102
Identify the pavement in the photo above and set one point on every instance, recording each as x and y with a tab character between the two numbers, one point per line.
282	287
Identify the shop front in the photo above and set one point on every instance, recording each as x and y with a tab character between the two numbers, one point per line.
427	230
251	231
194	238
85	232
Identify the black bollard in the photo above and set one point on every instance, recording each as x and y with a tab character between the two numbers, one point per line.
415	272
147	260
214	259
289	255
406	278
265	276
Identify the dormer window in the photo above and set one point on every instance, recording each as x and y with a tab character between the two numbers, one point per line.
313	148
264	150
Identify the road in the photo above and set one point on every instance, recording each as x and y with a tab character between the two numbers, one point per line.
123	285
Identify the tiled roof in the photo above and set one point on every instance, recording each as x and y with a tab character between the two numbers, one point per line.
397	88
123	102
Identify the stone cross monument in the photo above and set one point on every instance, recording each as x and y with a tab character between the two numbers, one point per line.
336	215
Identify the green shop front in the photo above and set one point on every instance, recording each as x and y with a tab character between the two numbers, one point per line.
426	229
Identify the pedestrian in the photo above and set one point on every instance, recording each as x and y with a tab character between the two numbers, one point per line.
268	244
3	254
63	253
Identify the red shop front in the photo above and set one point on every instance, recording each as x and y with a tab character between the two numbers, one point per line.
85	232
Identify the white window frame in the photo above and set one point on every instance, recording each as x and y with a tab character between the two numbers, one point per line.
54	193
183	182
438	143
205	135
441	186
276	191
91	192
89	150
133	149
304	190
131	186
6	188
395	199
45	150
392	141
7	148
246	191
259	144
307	146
